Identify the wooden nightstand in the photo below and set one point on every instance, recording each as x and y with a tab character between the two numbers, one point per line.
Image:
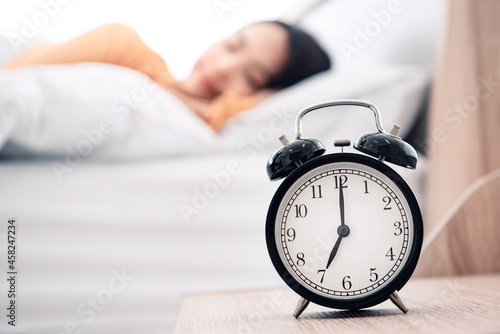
467	304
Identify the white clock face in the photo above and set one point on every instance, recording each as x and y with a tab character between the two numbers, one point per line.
344	230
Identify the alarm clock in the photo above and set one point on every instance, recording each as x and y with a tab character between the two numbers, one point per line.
344	230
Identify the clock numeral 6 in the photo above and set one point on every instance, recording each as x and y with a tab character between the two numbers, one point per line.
300	259
373	275
291	234
300	211
387	200
399	230
346	284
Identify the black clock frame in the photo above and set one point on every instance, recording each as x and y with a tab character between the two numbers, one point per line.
363	301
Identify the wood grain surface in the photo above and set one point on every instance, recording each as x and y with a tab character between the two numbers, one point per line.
465	304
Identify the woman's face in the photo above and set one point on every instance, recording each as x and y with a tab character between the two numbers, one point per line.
241	64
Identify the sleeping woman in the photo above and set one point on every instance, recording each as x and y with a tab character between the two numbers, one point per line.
232	75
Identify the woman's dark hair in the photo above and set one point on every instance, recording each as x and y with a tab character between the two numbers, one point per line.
305	58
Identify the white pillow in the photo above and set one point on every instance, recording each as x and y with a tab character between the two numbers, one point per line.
44	109
396	90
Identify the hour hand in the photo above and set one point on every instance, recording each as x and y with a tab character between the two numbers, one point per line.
343	231
334	251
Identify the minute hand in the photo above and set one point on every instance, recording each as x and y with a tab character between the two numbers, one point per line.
342	230
341	204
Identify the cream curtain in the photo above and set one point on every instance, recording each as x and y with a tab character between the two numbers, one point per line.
463	190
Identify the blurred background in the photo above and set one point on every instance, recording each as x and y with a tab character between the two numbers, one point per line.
125	218
181	30
178	30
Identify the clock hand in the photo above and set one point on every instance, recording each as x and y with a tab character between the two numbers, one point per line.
334	251
341	204
343	231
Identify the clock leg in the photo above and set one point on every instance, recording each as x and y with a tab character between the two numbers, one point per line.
398	301
301	306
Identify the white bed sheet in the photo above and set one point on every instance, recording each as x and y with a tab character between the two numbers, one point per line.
114	216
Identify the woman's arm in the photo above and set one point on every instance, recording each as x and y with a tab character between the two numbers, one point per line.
113	43
228	105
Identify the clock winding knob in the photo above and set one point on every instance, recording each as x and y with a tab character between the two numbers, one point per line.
395	130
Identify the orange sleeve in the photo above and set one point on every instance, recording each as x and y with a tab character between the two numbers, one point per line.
112	43
227	106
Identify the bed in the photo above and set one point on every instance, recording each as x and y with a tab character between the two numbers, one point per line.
109	241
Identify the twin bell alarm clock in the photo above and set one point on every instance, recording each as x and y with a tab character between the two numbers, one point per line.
344	230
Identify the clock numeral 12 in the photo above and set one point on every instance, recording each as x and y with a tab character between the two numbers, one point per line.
342	179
